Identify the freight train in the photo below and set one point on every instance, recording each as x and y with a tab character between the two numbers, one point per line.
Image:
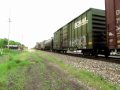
93	32
86	32
113	24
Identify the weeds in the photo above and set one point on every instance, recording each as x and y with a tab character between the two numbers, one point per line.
11	65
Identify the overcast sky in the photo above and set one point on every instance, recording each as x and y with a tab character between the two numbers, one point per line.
36	20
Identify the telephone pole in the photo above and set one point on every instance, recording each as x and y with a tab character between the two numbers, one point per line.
9	31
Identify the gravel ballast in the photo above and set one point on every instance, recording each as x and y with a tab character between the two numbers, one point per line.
108	70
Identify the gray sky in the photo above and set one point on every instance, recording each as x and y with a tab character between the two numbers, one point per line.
36	20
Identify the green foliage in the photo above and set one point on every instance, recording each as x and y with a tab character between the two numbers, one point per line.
14	42
11	66
4	42
14	69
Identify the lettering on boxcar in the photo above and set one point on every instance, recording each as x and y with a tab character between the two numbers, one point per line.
117	12
117	16
118	20
81	22
118	28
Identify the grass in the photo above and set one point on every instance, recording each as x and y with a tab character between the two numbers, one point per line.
11	65
13	72
87	77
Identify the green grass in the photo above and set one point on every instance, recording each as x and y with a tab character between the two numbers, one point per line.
11	65
87	77
20	61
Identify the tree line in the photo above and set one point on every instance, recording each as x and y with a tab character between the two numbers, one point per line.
4	42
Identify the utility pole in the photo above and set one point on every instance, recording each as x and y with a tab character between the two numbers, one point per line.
9	31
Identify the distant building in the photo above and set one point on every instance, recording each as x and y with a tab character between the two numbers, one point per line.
13	46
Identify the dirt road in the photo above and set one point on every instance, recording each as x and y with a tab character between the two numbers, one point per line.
42	75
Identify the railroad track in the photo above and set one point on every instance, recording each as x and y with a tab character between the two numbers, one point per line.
111	58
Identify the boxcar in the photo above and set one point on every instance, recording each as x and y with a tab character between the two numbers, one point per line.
87	32
113	23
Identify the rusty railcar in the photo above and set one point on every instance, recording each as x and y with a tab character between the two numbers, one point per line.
113	23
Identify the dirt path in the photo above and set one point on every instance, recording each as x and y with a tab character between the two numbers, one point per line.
43	75
33	81
47	76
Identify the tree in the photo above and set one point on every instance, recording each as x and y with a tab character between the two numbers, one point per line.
4	42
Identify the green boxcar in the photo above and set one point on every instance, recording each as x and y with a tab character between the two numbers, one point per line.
87	32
